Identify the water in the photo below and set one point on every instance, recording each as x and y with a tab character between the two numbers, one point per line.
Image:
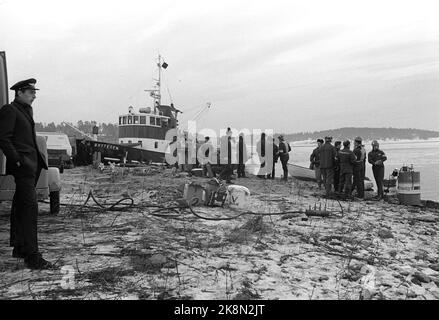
424	155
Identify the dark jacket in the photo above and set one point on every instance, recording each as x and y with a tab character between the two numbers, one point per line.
347	160
18	139
284	149
359	161
327	156
376	155
315	157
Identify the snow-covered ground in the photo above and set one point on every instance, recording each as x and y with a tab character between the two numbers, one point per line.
368	249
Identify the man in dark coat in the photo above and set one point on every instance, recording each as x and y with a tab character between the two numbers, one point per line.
376	158
24	162
346	160
275	158
327	163
284	150
314	159
359	167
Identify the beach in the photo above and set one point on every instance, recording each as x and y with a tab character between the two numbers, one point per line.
271	249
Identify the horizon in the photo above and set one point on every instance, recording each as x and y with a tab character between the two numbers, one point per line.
276	133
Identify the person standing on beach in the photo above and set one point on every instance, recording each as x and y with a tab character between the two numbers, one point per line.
327	163
376	158
315	162
284	150
24	162
337	146
346	160
275	158
359	167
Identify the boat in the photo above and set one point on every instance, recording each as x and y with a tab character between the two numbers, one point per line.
146	128
307	174
301	173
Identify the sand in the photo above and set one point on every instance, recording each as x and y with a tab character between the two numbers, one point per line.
363	250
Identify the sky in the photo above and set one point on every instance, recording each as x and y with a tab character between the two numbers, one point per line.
291	66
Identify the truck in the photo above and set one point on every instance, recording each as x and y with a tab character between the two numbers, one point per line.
59	149
49	182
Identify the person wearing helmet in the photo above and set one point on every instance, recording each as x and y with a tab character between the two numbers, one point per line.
284	150
347	161
359	167
376	158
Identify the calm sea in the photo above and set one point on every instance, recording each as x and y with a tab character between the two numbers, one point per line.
423	154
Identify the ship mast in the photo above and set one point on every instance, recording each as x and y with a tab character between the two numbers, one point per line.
156	93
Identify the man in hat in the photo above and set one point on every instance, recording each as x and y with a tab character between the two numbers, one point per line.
346	160
24	162
314	159
284	150
359	167
327	162
376	158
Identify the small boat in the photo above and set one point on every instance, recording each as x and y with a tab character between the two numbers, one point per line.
307	174
301	173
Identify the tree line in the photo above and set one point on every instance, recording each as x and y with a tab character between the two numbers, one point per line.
108	132
365	133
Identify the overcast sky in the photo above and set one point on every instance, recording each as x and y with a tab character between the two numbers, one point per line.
288	65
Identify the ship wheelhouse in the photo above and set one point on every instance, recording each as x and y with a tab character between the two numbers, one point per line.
146	129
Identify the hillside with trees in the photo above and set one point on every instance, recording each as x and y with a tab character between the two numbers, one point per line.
108	132
365	133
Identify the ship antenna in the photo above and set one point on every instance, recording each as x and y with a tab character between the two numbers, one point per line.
160	80
156	92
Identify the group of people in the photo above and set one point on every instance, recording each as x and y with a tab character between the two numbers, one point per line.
344	169
268	151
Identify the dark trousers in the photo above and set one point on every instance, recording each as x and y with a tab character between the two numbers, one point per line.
345	183
337	177
241	170
24	213
328	179
285	167
359	181
378	174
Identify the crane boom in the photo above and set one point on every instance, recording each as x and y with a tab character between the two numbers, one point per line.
77	130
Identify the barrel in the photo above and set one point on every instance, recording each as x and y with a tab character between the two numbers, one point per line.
409	188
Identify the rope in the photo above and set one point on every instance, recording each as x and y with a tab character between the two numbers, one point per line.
120	206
